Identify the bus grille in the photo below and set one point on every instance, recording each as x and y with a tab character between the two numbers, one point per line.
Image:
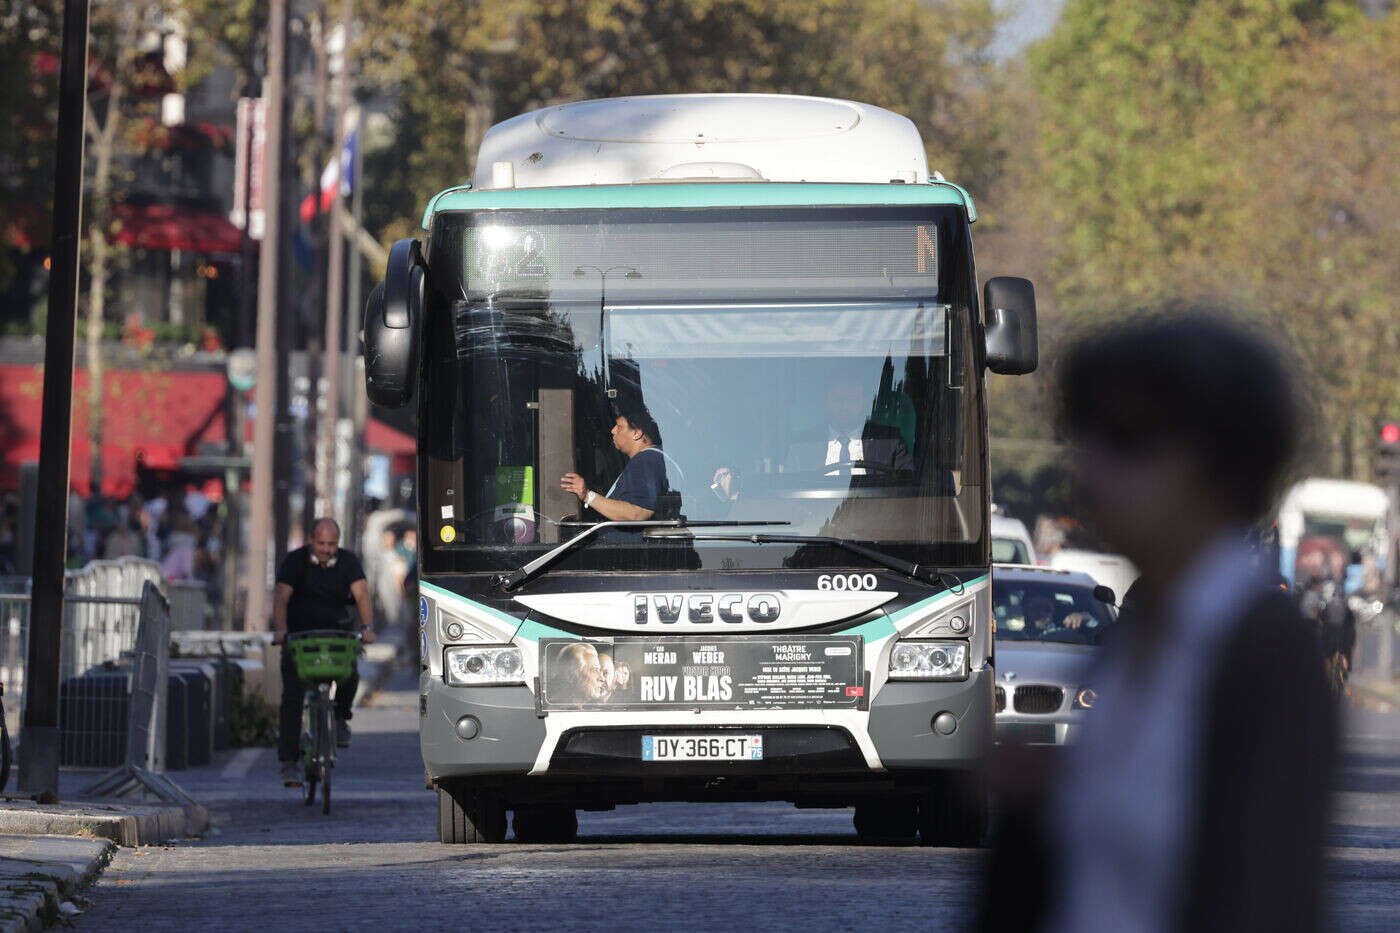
1035	698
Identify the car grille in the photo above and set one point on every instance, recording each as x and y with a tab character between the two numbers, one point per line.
1001	699
1035	698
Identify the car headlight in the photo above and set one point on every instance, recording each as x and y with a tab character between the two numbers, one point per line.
469	667
1085	698
929	660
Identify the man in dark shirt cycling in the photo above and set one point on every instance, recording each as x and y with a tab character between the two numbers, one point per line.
315	586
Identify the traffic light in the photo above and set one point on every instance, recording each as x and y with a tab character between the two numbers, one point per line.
1388	454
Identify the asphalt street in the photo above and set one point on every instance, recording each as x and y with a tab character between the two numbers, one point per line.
374	863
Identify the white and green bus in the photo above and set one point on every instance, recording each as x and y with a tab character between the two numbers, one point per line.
746	328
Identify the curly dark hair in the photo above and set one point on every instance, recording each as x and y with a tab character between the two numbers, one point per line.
641	420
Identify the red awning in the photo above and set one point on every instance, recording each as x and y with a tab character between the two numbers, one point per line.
171	227
381	438
151	419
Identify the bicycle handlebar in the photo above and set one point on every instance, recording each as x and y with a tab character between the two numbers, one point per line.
325	633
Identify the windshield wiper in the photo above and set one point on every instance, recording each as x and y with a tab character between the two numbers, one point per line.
908	568
509	581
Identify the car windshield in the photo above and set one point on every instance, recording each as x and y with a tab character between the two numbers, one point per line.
1009	551
797	365
1048	611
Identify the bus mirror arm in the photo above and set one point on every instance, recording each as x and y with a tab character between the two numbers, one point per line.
1012	344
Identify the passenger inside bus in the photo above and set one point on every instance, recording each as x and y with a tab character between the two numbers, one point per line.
849	441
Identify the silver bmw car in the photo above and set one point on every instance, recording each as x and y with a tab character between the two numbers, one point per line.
1048	624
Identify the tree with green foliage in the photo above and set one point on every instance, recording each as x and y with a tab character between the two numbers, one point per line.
456	76
1126	92
30	36
1238	151
1316	244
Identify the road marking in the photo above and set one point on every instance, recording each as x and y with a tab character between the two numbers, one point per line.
240	764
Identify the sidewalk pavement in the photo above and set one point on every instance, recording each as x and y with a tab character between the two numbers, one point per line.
378	663
48	852
40	875
1376	688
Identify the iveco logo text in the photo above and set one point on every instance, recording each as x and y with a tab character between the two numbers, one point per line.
703	608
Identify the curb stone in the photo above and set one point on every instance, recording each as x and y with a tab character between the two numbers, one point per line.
126	824
40	874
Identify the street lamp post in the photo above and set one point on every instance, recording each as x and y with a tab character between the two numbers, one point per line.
267	415
631	273
38	765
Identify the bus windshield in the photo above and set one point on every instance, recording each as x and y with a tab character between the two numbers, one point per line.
812	366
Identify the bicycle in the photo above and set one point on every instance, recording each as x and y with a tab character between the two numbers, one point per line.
321	656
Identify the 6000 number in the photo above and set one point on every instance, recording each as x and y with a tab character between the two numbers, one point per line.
847	581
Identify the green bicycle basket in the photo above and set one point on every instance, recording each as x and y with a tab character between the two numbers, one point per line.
324	657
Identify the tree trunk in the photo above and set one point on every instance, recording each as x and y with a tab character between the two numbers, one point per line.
93	353
481	113
103	140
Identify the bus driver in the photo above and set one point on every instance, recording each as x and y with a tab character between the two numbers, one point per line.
633	497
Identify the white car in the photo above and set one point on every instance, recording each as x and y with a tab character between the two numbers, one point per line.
1011	542
1112	570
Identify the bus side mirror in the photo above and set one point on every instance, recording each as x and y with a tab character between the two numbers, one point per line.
1012	347
393	320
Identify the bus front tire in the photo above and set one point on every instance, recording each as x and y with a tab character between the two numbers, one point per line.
466	815
953	812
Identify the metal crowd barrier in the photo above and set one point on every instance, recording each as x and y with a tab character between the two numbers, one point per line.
145	675
101	621
14	648
97	632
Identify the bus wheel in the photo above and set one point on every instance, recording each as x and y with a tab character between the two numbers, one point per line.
953	812
546	824
466	815
887	820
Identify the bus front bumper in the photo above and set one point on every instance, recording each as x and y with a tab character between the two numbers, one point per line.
480	731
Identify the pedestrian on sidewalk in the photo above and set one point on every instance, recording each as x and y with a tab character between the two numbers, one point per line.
316	585
1195	796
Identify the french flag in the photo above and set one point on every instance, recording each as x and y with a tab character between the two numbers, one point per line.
337	179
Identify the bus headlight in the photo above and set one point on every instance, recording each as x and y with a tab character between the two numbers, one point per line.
471	666
929	660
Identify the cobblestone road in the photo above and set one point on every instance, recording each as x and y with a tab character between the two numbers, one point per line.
271	863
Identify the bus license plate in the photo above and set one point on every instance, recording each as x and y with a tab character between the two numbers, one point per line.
702	748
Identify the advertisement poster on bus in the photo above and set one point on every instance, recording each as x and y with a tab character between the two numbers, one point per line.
698	672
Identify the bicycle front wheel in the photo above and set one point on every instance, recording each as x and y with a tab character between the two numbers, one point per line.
326	791
325	747
311	768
